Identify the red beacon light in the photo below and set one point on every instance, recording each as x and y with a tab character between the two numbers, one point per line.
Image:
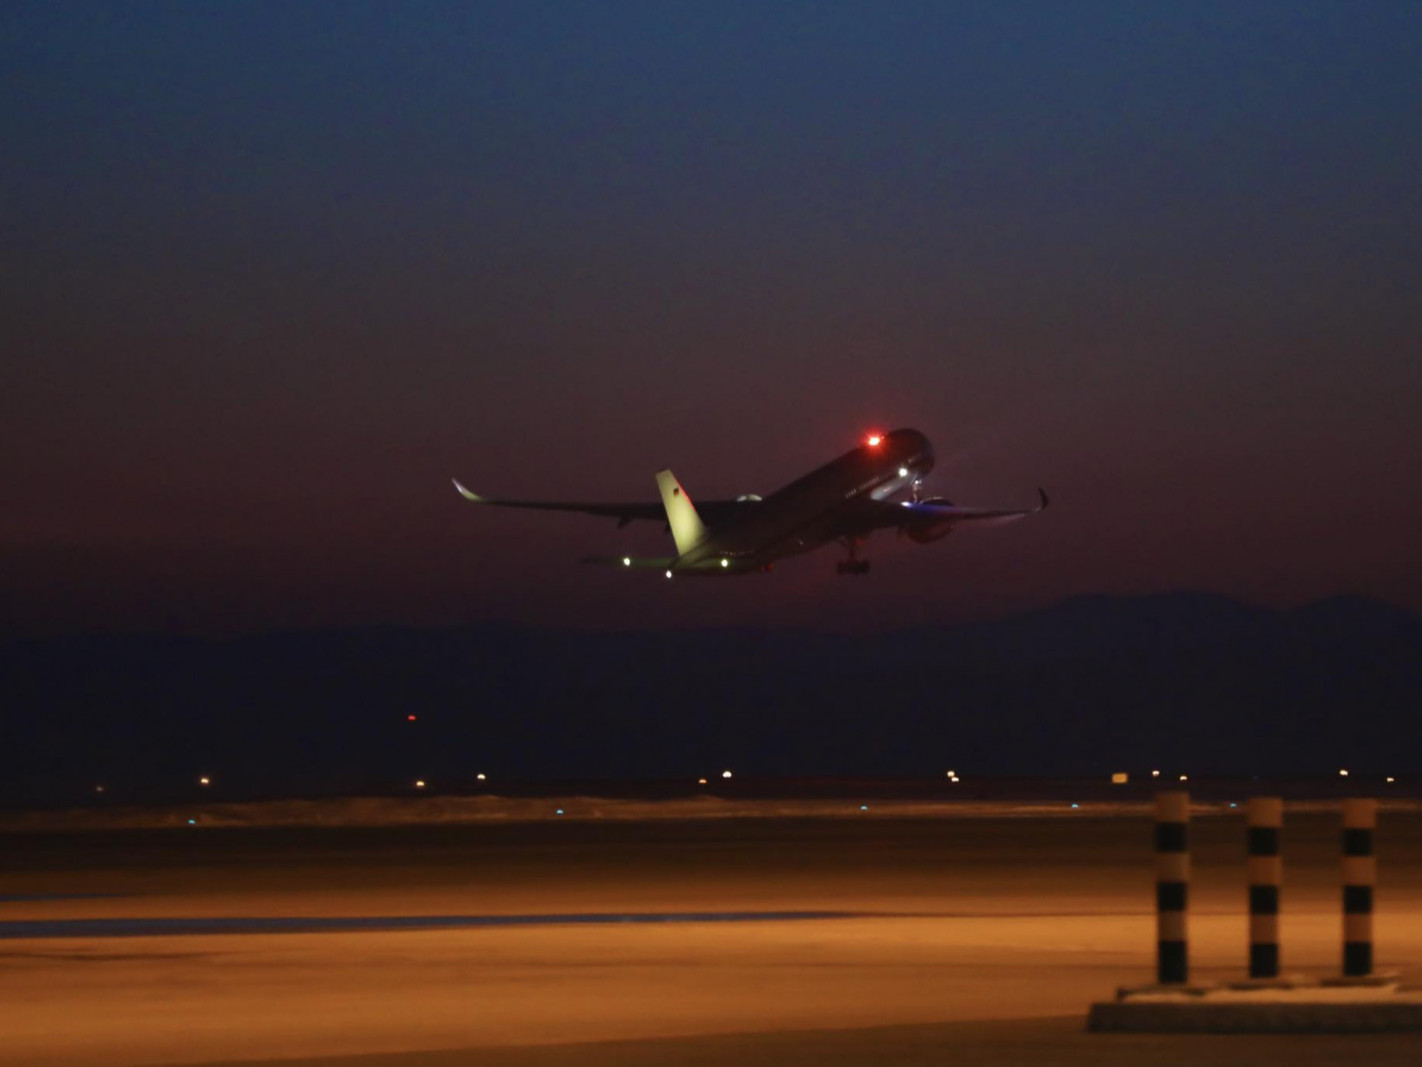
874	440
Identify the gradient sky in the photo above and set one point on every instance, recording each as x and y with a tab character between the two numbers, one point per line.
273	272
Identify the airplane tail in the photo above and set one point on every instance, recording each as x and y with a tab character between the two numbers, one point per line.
686	526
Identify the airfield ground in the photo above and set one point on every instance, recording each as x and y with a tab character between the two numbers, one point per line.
896	935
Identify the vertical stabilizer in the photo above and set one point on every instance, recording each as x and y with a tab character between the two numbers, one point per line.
686	527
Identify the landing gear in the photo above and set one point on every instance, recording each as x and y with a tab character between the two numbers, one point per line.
852	565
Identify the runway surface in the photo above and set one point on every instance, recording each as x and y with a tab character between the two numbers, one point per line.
964	939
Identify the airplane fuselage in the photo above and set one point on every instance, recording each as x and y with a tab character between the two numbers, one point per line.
815	509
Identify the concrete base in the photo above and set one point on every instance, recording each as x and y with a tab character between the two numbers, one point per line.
1378	979
1284	981
1287	1007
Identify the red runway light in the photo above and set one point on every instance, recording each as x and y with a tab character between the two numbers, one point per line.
409	718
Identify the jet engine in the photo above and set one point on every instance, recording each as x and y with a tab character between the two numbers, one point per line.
926	530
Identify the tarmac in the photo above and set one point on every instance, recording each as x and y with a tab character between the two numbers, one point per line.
979	937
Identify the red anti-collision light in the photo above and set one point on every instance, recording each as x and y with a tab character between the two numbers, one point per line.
874	440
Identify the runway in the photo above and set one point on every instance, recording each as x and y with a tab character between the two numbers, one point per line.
971	939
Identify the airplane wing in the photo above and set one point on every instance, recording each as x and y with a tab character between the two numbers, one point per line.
941	514
714	512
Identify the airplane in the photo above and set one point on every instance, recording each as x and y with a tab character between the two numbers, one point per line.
844	501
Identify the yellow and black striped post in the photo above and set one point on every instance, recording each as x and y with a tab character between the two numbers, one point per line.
1360	874
1172	876
1266	868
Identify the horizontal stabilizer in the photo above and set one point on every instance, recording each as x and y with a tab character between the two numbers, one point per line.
658	563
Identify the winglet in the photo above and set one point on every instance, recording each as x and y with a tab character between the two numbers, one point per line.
1040	492
466	494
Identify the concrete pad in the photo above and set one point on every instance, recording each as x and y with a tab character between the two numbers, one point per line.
1275	1009
1050	1042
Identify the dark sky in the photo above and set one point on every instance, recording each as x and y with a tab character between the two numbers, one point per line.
272	273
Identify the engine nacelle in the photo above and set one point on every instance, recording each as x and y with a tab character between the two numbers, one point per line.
928	532
925	530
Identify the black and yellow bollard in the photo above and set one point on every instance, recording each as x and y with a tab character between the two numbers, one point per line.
1172	877
1360	874
1266	868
